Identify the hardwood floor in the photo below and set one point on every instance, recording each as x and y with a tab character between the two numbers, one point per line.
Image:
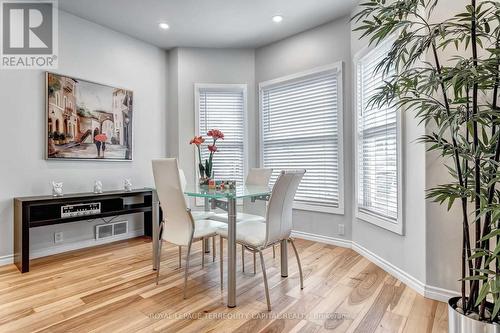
112	288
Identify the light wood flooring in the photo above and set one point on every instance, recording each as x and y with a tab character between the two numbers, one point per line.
112	288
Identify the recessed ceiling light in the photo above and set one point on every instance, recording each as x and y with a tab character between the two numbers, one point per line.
277	18
164	26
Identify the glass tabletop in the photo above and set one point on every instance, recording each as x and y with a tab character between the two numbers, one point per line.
241	191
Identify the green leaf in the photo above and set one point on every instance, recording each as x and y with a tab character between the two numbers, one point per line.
491	234
497	249
477	254
475	277
485	288
496	308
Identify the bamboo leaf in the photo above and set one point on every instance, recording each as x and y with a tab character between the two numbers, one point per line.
485	288
491	234
496	308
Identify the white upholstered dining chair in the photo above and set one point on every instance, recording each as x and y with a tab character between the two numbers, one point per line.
252	211
178	226
197	215
257	236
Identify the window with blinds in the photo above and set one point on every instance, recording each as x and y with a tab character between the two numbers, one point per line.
378	151
300	128
223	107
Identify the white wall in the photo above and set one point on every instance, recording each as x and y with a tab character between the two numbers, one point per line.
443	227
173	103
323	45
197	65
91	52
406	252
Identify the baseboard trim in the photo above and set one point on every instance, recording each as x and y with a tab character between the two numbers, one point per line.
439	294
395	271
9	259
322	239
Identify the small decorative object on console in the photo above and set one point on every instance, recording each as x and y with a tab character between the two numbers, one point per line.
127	185
98	187
57	189
80	209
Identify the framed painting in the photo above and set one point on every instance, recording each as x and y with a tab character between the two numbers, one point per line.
87	120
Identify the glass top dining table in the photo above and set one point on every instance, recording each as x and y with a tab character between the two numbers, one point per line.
226	199
240	192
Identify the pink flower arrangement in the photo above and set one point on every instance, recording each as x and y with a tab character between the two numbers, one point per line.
197	140
215	134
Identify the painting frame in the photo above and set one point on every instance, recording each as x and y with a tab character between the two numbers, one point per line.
129	137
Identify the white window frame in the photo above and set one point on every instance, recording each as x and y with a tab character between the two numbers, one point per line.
337	68
222	87
379	221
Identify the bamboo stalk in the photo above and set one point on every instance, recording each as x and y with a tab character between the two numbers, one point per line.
493	131
465	220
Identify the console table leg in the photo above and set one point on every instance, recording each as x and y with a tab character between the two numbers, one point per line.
21	237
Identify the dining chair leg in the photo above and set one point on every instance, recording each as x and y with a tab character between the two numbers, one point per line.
254	264
264	275
159	262
221	242
274	252
180	256
298	263
213	248
187	268
203	252
243	258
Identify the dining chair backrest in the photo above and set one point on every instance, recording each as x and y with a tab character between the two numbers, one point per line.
179	225
182	177
280	206
256	177
259	176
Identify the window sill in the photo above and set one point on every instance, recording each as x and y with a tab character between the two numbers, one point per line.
396	227
319	209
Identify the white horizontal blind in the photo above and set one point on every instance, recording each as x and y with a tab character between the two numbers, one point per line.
223	109
300	130
377	135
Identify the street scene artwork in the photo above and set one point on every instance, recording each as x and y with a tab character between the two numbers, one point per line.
88	121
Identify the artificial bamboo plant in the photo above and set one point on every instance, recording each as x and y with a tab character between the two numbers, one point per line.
457	98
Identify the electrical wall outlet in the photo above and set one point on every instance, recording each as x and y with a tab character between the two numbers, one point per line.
58	237
341	229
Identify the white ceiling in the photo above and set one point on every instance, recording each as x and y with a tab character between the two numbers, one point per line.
209	23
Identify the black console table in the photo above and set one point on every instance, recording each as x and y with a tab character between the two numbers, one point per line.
32	212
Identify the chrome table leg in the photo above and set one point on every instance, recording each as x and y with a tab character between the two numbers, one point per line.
231	253
207	241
